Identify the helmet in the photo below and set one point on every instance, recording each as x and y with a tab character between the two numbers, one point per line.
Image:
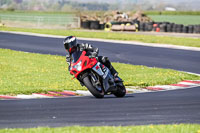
70	44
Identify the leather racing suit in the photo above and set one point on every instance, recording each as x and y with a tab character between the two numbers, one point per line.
93	52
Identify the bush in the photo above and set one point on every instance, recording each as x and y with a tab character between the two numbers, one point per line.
10	9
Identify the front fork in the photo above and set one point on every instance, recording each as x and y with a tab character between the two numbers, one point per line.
95	79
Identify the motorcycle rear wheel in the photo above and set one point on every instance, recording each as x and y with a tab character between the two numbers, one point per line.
92	89
121	91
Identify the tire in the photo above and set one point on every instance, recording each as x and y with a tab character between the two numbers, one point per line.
150	27
85	24
169	27
121	91
101	26
173	28
190	28
163	28
94	25
108	26
199	28
141	26
116	23
196	29
166	23
92	89
145	26
179	30
185	29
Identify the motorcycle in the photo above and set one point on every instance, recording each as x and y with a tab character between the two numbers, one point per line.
95	76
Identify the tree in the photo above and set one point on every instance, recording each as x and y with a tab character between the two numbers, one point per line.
67	8
5	2
18	1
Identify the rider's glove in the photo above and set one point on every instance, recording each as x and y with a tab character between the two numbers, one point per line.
88	46
81	46
93	55
85	46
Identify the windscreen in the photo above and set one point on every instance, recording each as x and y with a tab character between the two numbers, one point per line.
76	55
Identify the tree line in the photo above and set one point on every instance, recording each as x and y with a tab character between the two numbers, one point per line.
74	5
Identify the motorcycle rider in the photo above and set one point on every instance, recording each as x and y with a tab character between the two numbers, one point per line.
71	45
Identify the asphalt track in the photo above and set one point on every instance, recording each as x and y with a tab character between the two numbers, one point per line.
178	106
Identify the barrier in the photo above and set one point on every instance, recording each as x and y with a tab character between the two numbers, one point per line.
169	27
108	26
47	22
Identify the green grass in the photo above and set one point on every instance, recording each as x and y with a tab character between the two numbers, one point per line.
178	19
176	128
193	42
172	12
26	73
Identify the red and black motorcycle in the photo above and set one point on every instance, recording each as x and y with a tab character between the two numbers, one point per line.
95	76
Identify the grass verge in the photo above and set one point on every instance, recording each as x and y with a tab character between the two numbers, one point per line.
180	128
192	42
26	73
178	19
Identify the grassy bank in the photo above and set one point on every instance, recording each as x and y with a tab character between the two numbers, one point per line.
26	73
178	19
172	13
193	42
180	128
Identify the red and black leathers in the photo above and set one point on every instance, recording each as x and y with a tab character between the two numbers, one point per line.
93	52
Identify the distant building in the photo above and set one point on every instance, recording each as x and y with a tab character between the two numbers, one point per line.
170	9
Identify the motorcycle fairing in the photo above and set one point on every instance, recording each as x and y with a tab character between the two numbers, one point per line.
82	62
99	71
105	74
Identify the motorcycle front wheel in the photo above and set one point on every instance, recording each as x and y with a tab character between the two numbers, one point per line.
95	92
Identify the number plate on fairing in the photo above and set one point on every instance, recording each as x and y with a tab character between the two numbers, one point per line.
103	72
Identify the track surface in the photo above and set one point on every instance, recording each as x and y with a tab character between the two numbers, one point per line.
150	108
179	106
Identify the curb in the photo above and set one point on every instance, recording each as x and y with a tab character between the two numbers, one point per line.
186	84
51	94
181	85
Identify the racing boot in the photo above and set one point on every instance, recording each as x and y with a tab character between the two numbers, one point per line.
115	74
104	60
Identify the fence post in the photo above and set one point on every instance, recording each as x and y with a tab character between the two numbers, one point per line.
38	21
